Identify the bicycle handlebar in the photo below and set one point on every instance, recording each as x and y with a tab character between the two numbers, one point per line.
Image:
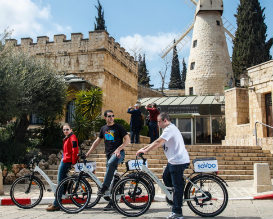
141	156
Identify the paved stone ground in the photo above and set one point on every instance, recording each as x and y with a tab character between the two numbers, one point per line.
243	209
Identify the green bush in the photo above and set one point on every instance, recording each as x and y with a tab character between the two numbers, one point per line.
144	131
101	122
14	152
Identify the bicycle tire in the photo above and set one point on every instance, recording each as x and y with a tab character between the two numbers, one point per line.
150	183
214	188
26	192
131	190
94	198
77	197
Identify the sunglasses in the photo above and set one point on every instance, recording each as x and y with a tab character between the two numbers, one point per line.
111	116
65	130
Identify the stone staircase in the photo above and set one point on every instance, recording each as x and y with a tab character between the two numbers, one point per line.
235	162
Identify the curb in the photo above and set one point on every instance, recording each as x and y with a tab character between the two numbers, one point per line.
158	198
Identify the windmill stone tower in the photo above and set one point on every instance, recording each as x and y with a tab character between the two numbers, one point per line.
209	66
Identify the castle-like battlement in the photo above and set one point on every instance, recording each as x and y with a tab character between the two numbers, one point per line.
98	40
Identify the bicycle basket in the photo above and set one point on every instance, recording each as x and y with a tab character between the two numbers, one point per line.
135	164
205	164
91	165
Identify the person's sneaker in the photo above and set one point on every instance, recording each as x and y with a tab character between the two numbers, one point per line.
53	208
175	216
109	207
102	191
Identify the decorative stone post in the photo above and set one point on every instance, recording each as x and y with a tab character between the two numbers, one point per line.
262	179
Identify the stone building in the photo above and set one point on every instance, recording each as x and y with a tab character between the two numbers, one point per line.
99	60
250	108
209	65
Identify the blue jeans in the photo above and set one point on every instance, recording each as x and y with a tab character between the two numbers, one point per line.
111	166
173	177
153	131
62	174
134	134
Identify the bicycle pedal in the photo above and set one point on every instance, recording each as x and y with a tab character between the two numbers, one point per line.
49	190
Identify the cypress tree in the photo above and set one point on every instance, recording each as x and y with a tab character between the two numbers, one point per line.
175	81
250	46
100	25
143	73
183	74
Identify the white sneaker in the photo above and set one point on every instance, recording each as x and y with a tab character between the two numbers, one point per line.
175	216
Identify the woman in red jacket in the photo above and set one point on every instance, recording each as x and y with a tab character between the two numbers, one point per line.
70	157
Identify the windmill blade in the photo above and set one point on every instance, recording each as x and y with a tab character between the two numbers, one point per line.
182	37
194	2
189	3
229	29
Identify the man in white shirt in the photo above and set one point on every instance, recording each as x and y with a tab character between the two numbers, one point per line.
178	160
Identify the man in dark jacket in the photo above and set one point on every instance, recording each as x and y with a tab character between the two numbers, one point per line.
135	123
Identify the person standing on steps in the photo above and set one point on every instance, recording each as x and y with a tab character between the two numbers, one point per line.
70	157
135	123
178	160
153	127
115	140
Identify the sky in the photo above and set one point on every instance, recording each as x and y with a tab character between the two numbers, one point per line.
140	26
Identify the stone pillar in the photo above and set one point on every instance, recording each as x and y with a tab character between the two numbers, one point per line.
262	179
1	182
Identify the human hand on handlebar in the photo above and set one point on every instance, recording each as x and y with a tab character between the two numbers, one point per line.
141	151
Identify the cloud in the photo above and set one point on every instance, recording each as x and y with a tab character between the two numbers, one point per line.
27	18
151	45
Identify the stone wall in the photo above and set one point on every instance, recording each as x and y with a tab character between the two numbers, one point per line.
98	59
246	106
148	92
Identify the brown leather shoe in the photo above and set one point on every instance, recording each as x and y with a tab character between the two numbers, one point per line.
53	208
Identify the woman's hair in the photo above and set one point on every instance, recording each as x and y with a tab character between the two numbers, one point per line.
67	124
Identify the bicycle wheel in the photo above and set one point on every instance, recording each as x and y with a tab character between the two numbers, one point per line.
94	198
26	192
144	176
130	192
73	194
216	191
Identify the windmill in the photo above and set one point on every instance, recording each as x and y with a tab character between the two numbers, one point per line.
209	65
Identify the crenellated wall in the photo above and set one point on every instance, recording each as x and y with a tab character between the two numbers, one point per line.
98	59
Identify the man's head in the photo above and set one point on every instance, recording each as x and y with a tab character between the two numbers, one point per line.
154	105
109	117
136	106
163	120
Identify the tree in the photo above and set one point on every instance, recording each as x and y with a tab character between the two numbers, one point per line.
100	25
87	111
250	46
163	74
29	86
183	74
143	73
175	81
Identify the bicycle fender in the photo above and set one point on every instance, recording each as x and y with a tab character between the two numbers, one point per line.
213	175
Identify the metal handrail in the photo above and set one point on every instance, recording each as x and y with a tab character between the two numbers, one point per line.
256	129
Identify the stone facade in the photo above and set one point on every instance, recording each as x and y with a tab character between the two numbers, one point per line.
209	66
99	60
246	106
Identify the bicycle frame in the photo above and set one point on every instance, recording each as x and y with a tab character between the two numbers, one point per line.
52	185
165	189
